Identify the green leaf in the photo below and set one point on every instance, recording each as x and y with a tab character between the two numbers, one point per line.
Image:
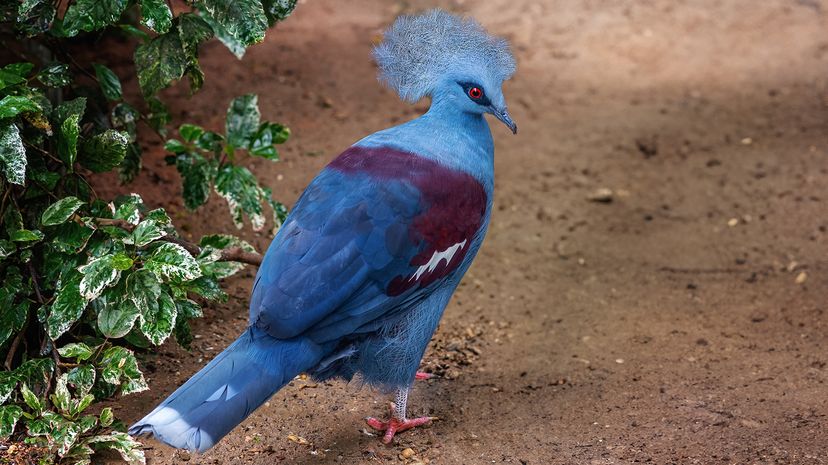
243	20
104	151
7	384
238	186
158	116
30	398
160	215
175	146
197	173
12	319
242	120
193	30
70	237
12	220
61	398
72	107
159	62
277	10
61	210
128	448
12	154
8	79
13	105
119	367
158	320
25	235
122	261
6	248
129	208
82	378
210	142
91	15
235	46
212	246
147	231
106	417
131	165
55	75
98	274
133	31
262	142
172	262
116	312
143	288
206	287
110	84
35	16
156	15
9	414
61	432
67	307
68	140
35	372
21	69
76	350
189	132
125	117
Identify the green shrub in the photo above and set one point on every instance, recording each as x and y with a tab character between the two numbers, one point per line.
85	280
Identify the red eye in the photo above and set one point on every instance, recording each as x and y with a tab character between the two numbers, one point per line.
475	93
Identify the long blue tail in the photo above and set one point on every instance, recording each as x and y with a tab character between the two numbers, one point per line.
227	390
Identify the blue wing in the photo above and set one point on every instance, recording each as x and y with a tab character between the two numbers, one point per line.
367	220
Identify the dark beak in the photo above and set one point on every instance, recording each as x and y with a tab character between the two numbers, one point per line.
503	116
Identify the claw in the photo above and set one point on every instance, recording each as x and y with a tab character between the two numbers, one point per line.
395	425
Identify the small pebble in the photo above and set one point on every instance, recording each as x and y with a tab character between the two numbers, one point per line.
602	195
801	277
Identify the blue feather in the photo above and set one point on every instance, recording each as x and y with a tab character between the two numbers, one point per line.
227	390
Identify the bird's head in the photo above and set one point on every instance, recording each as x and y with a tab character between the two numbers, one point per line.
444	56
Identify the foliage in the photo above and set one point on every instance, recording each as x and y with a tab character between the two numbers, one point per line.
87	283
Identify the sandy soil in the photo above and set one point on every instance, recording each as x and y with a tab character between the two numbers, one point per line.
683	322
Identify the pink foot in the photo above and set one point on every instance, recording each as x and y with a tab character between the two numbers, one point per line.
394	426
423	375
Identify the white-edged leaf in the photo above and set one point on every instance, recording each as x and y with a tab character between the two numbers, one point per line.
12	154
61	210
67	307
98	274
9	414
119	367
172	262
147	231
128	448
76	350
158	319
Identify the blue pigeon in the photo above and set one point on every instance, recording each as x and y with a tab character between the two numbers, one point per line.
356	280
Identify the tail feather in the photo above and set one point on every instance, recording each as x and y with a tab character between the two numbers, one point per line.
220	396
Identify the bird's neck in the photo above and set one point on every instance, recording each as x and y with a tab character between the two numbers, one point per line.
448	135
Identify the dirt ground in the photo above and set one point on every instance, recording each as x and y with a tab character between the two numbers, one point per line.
683	322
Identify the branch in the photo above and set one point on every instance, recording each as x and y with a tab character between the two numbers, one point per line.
41	301
232	254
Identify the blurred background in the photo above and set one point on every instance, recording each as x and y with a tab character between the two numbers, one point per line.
653	287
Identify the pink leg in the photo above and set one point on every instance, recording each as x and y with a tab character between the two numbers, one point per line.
423	375
397	423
